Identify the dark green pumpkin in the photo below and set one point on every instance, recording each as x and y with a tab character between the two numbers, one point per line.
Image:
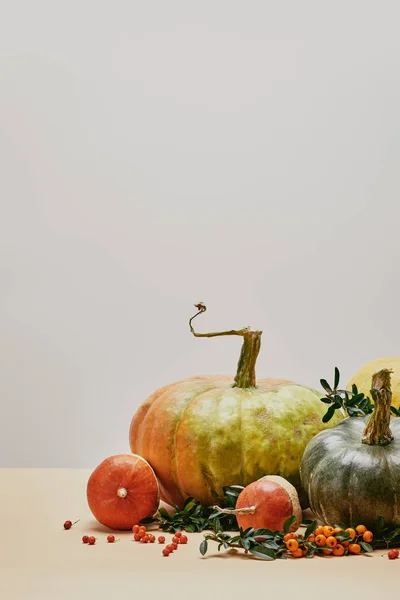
351	473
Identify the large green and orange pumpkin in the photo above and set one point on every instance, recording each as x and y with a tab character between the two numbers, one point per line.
206	432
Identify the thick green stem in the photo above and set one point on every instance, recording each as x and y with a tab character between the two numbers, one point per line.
377	431
246	369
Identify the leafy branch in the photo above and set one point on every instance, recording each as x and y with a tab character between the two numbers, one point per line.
194	517
354	403
270	545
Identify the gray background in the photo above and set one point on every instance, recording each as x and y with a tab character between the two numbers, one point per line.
155	154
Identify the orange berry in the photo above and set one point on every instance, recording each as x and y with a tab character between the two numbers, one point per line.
355	548
337	529
331	541
328	531
319	530
338	550
361	529
289	536
326	551
297	553
320	540
368	536
135	528
292	545
351	532
311	538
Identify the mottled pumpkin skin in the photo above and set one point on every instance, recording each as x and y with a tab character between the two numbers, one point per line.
349	482
362	378
201	434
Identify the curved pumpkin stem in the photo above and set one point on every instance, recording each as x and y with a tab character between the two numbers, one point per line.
377	431
246	369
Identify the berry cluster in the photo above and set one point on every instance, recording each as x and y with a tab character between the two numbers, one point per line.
330	541
140	534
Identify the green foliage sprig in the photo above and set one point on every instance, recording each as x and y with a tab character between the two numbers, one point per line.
194	517
354	403
270	545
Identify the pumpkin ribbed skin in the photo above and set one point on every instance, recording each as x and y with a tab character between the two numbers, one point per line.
201	434
349	482
362	378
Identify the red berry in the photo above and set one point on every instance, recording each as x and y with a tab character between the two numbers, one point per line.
152	538
68	524
111	538
161	539
175	540
178	534
145	539
183	539
170	547
166	552
396	551
135	528
85	539
392	554
137	537
174	546
91	540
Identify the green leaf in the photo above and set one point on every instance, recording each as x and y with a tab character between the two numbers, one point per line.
203	547
354	412
337	377
263	532
326	386
329	414
393	534
310	529
247	532
190	528
164	513
326	400
245	542
261	552
288	523
189	506
366	547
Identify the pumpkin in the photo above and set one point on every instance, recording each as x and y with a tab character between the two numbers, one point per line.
362	377
351	473
266	504
206	432
122	490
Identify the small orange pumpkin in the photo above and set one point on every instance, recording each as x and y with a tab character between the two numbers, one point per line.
122	490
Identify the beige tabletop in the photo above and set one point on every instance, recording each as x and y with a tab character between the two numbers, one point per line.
41	560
